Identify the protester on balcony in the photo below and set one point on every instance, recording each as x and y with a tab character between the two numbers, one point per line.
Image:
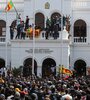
48	25
27	23
18	31
11	32
22	30
18	20
18	26
58	22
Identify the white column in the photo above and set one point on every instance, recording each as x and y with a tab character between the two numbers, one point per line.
39	71
6	36
33	37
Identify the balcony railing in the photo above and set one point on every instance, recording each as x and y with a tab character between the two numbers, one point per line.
2	39
43	35
80	39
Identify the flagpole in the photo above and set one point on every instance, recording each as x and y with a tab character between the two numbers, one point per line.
6	37
15	9
33	37
62	40
33	50
61	33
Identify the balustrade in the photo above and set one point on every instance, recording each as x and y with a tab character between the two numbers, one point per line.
2	39
80	39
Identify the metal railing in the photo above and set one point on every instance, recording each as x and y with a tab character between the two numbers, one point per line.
3	39
80	39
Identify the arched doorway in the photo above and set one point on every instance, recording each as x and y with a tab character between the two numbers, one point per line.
48	67
2	28
2	63
39	20
80	67
27	69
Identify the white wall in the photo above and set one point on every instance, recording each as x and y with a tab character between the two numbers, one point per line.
19	54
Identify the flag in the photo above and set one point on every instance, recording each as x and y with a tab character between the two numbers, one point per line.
64	70
9	6
30	32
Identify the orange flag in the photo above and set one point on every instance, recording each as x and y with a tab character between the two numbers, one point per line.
9	6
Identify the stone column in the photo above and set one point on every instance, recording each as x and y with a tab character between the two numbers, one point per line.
39	71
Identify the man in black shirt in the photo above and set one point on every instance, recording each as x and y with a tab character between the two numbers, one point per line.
26	23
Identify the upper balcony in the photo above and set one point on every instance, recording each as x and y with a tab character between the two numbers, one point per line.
54	33
43	36
55	37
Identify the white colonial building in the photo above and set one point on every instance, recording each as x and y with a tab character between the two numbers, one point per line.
45	53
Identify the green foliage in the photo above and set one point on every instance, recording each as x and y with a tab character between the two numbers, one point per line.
17	71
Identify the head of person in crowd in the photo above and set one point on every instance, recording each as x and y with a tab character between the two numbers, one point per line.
2	97
17	96
34	96
66	97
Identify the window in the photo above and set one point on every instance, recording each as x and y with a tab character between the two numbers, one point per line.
39	20
2	28
56	21
80	28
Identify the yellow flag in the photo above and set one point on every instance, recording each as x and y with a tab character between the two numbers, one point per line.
64	70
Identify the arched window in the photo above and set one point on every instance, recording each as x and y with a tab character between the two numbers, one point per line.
80	28
56	21
39	20
2	28
54	15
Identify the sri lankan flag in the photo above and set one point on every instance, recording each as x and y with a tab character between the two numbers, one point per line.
64	70
9	6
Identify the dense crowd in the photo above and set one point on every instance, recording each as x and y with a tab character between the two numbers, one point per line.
48	88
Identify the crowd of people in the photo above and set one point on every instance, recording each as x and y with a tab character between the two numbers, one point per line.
20	27
46	88
51	29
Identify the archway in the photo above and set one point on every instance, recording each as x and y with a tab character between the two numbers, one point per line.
80	67
39	20
48	67
2	28
27	69
2	63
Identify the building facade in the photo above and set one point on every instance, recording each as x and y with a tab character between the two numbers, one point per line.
45	53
